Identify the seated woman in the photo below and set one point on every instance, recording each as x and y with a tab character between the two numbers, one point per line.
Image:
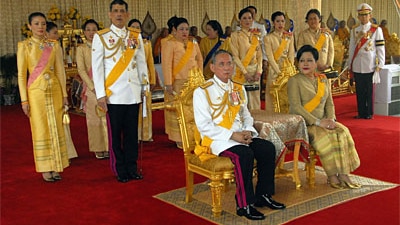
310	96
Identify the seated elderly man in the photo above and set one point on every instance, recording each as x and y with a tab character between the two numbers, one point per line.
226	128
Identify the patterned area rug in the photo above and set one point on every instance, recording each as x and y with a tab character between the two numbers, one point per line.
299	202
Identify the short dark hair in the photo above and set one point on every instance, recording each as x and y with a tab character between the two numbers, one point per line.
90	21
50	25
276	14
35	14
216	26
243	11
308	48
218	52
252	7
170	23
119	2
133	21
314	11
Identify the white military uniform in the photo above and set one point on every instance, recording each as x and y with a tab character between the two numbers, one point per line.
365	60
202	110
127	89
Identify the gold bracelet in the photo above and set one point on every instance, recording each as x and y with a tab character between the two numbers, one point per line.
24	103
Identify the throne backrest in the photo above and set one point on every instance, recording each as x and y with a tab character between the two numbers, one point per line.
184	108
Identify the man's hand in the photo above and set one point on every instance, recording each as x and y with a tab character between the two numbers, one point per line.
243	137
102	103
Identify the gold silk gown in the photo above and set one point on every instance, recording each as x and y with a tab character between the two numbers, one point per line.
96	125
45	97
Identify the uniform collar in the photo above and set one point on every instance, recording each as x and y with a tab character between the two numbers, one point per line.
366	26
224	86
119	32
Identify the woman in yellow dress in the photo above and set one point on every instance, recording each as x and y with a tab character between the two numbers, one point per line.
215	40
96	122
179	56
310	96
247	54
43	97
319	38
279	47
145	124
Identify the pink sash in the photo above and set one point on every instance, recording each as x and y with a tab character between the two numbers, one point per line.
43	61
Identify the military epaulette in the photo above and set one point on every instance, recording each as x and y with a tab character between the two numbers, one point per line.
105	30
356	25
206	84
374	25
134	29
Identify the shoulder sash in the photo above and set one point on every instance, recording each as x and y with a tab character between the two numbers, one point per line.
185	58
320	42
282	47
239	76
314	102
361	42
42	64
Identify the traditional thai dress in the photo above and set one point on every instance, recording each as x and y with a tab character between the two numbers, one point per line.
96	123
242	43
44	90
178	58
322	41
312	99
208	47
145	118
280	53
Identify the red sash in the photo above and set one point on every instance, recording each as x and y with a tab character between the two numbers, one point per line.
43	62
361	43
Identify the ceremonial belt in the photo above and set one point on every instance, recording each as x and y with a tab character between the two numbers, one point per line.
281	48
121	65
185	58
42	64
359	44
203	149
321	40
215	48
314	102
239	77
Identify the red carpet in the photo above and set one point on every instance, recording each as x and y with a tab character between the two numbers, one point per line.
89	194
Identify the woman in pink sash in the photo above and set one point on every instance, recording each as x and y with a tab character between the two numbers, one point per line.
43	96
96	125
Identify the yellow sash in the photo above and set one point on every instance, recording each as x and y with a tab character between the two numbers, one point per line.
202	149
314	102
239	76
320	42
281	48
185	58
122	63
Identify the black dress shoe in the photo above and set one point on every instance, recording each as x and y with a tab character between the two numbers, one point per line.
250	213
122	179
267	200
358	117
368	117
135	176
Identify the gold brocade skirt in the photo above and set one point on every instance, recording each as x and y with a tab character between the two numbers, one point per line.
335	149
96	126
46	110
171	119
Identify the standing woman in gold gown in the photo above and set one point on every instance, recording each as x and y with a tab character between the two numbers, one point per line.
179	56
319	38
145	127
96	122
43	96
215	40
247	54
279	47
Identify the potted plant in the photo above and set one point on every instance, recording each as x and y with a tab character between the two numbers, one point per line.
8	79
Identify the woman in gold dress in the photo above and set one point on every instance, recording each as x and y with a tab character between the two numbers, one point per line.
215	40
247	54
43	97
310	96
279	47
145	126
179	56
319	38
96	122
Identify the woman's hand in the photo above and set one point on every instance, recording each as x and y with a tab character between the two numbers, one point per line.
26	108
328	124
